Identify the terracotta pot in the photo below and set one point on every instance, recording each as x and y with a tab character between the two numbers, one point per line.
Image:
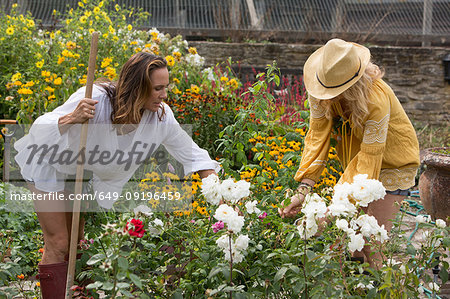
434	183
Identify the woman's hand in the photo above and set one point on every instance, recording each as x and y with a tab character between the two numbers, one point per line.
84	111
294	207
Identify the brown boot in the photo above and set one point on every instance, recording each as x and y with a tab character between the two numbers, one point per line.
53	280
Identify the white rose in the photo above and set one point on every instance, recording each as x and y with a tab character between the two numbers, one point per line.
144	210
155	228
241	242
441	223
224	212
211	189
356	242
251	207
235	223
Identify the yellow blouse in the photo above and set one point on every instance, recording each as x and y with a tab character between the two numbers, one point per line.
386	148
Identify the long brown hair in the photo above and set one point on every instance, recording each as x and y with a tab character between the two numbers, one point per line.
133	88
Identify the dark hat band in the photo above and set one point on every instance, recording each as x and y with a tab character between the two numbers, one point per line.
335	86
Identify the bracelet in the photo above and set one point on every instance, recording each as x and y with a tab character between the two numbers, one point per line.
304	189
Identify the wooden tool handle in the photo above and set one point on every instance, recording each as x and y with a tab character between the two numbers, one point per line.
80	170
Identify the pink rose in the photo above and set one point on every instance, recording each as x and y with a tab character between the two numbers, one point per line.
217	226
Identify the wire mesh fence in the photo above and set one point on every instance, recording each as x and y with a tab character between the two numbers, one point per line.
413	20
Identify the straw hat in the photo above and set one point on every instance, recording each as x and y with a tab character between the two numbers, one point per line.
335	67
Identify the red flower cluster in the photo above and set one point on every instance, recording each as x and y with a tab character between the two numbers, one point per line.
136	229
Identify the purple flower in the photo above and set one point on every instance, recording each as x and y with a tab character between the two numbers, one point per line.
262	216
217	226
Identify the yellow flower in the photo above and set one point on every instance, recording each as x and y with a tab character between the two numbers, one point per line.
24	91
110	73
129	27
96	10
155	49
111	29
177	55
91	30
57	81
125	47
176	91
195	88
45	74
52	35
66	53
30	23
106	62
176	80
61	59
192	50
16	76
49	89
233	83
80	4
117	7
10	31
29	84
83	80
38	284
71	45
40	43
21	276
223	79
170	60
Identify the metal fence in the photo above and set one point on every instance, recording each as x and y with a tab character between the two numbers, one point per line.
407	20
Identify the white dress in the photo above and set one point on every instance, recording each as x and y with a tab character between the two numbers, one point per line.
46	156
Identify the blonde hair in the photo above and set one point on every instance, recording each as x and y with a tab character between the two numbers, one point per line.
356	98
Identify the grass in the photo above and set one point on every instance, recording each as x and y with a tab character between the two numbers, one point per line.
432	136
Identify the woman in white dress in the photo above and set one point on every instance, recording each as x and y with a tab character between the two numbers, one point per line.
127	116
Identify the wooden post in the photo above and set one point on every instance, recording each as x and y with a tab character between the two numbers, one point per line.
427	22
253	15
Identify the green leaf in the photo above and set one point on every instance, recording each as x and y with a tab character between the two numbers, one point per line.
136	280
411	250
94	285
214	272
127	294
289	238
178	294
95	259
280	274
123	263
310	254
443	274
123	285
204	256
107	286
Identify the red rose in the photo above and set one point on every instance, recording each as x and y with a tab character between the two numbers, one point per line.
135	228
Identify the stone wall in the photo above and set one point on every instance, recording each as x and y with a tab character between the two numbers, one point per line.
415	74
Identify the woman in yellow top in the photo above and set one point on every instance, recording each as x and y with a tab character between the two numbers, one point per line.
375	136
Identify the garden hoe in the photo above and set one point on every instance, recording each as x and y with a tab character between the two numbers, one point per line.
80	169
